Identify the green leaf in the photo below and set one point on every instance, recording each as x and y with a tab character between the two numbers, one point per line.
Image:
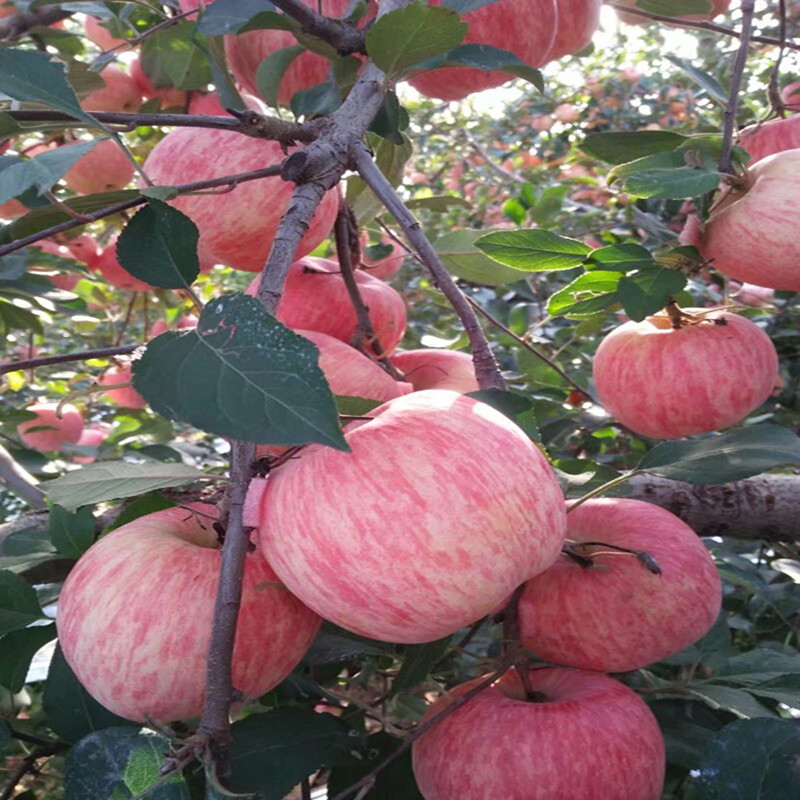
588	293
318	101
241	374
703	79
464	260
624	146
412	34
17	651
355	406
725	457
439	203
621	257
71	711
13	317
648	291
273	752
148	503
171	59
31	76
759	666
271	70
111	480
752	759
71	534
42	171
18	604
391	120
270	20
534	250
418	661
228	16
675	8
119	764
13	265
159	246
734	700
667	175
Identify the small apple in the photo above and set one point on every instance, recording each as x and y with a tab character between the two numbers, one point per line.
135	616
126	396
120	93
50	430
431	368
92	437
667	383
588	737
566	112
105	168
617	615
442	507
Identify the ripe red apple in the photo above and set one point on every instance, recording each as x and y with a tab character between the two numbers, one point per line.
83	248
207	104
120	93
442	508
170	96
65	281
93	436
750	234
109	267
591	738
617	615
12	208
236	228
527	28
566	112
431	368
577	22
127	396
160	326
385	267
135	615
752	295
719	7
669	383
49	431
315	299
790	95
105	168
100	35
767	138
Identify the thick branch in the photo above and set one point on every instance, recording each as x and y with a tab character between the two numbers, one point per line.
345	38
19	24
486	370
20	481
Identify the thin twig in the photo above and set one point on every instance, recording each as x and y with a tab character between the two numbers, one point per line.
83	355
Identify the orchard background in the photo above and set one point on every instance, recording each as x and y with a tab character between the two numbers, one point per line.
529	157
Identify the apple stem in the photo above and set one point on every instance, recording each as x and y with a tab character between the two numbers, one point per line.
645	558
618	481
513	653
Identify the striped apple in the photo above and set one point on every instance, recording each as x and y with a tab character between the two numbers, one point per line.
51	428
125	396
431	368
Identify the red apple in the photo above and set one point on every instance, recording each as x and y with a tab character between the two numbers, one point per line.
135	615
750	234
92	437
100	35
65	281
186	321
207	104
617	615
591	738
790	96
12	208
315	299
170	96
7	9
719	7
127	396
577	22
105	168
83	248
49	430
120	93
437	369
527	28
385	267
752	295
566	112
237	227
109	267
767	138
669	383
442	508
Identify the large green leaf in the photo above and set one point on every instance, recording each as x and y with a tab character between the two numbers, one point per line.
17	649
648	291
464	260
241	374
620	257
588	293
534	249
271	70
18	604
228	16
620	147
71	534
171	58
726	457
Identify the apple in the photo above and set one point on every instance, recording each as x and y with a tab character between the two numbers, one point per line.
384	267
527	28
236	227
160	326
790	95
135	617
718	7
12	208
617	615
49	430
92	437
750	234
101	35
65	281
668	383
590	737
120	93
432	368
752	295
577	22
207	104
767	138
316	299
567	113
127	396
83	248
113	272
105	168
7	9
170	96
442	507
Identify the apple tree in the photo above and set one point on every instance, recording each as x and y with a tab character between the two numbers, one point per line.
376	427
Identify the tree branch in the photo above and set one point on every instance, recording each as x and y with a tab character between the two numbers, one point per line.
19	24
344	37
84	355
20	481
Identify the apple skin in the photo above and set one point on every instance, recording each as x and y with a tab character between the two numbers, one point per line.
135	617
236	228
442	508
750	234
719	7
103	169
617	616
431	368
127	397
113	272
591	738
119	94
667	383
66	281
59	431
768	138
501	24
315	299
577	22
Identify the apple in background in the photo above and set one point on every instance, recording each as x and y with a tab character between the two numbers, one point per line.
119	94
236	228
122	631
790	95
105	168
752	295
55	430
83	248
160	326
385	267
100	35
718	7
7	9
767	138
527	28
127	397
65	281
591	737
316	299
567	113
442	508
751	233
617	615
12	209
207	104
170	96
93	436
668	383
112	271
437	369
